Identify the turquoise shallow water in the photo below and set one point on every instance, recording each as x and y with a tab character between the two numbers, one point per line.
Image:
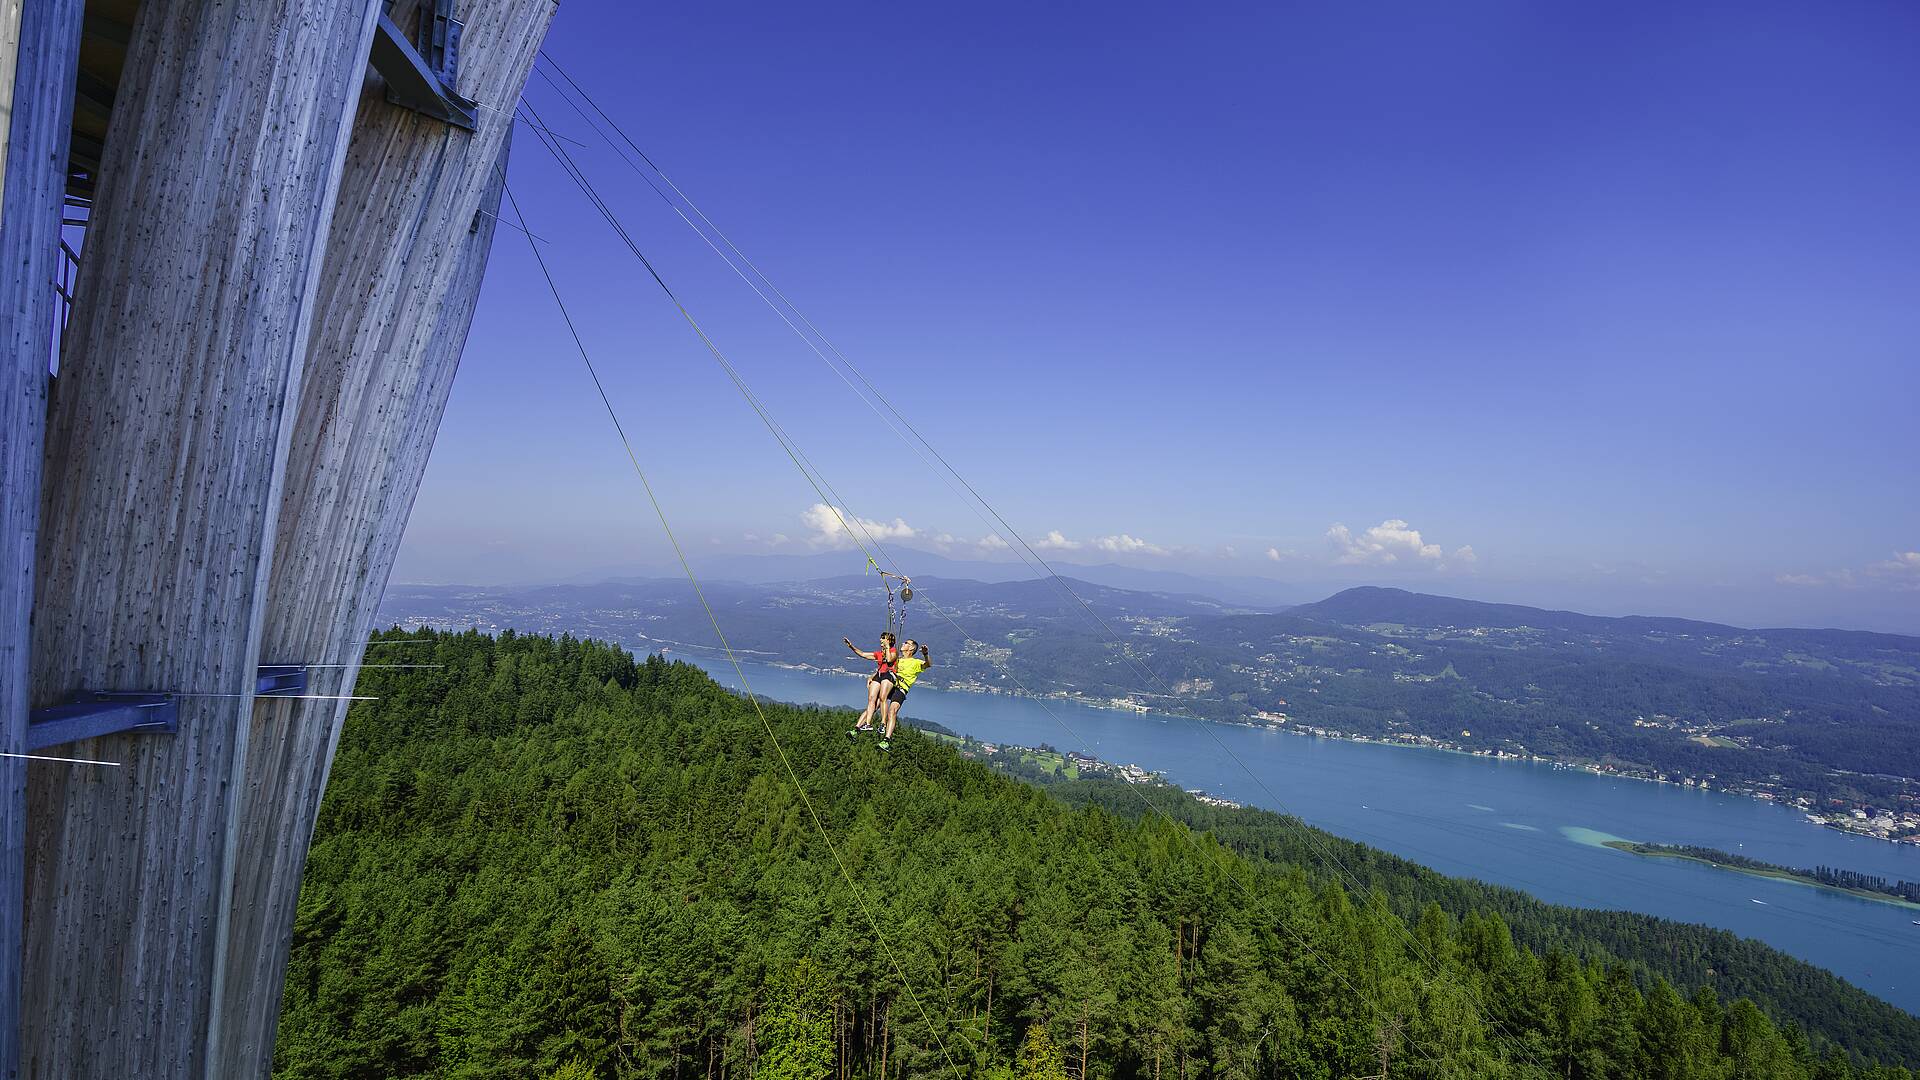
1521	824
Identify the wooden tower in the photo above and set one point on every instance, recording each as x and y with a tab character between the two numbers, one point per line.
287	210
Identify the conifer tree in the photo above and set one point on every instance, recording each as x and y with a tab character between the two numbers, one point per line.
796	1030
571	997
1040	1057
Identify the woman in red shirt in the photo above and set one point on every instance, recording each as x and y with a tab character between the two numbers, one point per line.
880	683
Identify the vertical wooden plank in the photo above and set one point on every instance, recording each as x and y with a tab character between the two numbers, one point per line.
9	64
165	446
403	273
293	741
39	53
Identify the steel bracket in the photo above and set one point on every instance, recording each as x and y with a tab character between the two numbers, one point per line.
424	82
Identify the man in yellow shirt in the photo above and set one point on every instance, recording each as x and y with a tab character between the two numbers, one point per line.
913	660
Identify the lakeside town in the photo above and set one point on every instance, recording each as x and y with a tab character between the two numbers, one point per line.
1896	824
1896	821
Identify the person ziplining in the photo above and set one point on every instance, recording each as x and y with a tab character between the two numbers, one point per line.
894	670
907	668
880	683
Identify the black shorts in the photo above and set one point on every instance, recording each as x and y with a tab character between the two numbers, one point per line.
897	695
881	676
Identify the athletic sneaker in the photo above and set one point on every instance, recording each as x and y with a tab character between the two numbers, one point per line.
856	730
885	745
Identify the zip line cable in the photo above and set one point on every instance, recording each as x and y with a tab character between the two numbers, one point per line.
1178	828
835	505
64	760
593	196
739	671
818	481
917	442
786	443
831	498
786	304
779	309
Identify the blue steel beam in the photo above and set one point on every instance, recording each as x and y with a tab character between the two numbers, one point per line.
280	680
90	716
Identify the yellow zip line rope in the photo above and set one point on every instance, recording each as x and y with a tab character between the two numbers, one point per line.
831	498
767	725
792	449
916	443
1179	828
835	504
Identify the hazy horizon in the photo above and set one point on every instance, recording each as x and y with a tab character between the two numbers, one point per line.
1220	585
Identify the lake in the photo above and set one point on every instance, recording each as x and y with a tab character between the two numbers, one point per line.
1522	824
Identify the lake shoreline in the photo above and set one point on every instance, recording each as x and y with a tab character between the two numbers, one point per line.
1838	825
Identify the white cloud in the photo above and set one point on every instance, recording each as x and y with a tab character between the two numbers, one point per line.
947	542
829	530
1275	554
1122	544
1228	551
1392	543
1806	580
1118	544
1382	545
1903	570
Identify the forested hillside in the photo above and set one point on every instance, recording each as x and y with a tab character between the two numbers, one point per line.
545	859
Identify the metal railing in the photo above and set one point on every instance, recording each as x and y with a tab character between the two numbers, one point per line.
66	276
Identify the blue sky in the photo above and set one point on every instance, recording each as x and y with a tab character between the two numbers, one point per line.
1620	298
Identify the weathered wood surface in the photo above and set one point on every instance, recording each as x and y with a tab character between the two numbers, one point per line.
165	443
400	283
39	51
293	741
403	273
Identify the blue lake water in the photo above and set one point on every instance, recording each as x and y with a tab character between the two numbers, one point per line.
1520	824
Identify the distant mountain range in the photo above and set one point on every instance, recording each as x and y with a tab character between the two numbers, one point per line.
1371	605
1825	717
768	569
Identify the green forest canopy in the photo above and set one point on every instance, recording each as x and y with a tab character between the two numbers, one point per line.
544	859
